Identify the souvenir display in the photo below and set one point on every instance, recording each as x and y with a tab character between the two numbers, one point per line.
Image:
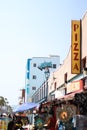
80	100
66	113
39	121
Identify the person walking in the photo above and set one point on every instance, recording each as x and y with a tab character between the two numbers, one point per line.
11	125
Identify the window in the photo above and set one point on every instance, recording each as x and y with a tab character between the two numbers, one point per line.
55	85
54	66
83	63
42	92
33	88
65	78
84	66
34	77
34	65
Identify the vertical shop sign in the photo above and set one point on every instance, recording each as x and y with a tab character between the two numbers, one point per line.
75	47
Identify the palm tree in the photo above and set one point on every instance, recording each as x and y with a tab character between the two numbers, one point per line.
2	101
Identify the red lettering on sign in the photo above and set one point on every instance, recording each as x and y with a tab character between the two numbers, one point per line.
76	37
76	67
76	56
76	47
76	26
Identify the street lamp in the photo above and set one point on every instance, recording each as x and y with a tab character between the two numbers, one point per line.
46	67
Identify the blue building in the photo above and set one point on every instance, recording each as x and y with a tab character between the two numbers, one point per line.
35	76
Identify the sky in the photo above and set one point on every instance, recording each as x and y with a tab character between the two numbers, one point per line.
33	28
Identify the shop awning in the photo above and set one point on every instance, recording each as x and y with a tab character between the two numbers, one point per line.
26	106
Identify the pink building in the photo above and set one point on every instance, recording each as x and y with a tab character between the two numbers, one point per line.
62	80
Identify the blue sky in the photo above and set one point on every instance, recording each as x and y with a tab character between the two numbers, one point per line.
33	28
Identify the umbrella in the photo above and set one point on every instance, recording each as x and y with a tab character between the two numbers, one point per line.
26	106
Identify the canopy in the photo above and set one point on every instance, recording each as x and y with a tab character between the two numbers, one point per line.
26	106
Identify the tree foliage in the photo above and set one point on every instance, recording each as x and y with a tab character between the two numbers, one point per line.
2	101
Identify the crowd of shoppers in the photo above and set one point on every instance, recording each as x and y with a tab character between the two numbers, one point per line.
19	123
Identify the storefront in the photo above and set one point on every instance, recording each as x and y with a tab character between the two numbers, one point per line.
66	112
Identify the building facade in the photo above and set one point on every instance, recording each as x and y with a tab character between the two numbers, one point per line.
62	82
36	70
65	81
65	91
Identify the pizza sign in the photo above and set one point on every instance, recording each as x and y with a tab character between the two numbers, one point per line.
76	47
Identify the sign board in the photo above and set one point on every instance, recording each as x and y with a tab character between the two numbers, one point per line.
74	86
76	47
